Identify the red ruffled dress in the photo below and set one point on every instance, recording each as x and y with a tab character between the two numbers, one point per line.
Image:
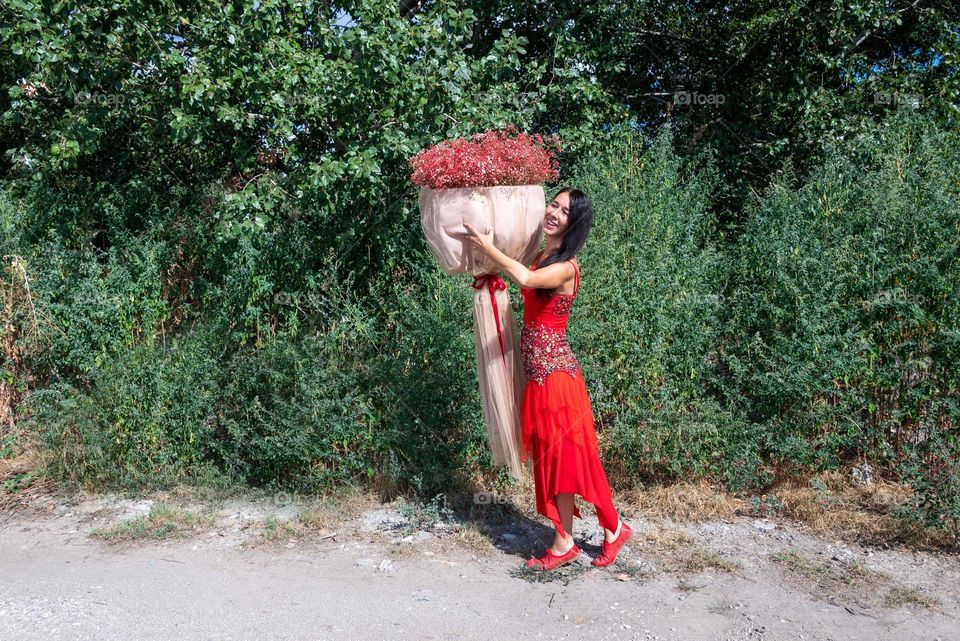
556	416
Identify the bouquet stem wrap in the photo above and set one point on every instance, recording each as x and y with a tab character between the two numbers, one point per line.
500	372
515	215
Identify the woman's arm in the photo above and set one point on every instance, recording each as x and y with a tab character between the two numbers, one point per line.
549	277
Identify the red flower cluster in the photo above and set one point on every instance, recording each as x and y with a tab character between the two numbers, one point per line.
501	157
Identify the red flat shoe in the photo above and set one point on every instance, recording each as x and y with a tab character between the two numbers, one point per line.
550	560
608	551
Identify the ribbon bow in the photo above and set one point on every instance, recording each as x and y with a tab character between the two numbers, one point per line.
493	283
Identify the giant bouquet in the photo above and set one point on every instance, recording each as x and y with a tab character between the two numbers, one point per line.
492	180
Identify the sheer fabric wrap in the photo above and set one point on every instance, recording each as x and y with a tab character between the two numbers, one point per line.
515	215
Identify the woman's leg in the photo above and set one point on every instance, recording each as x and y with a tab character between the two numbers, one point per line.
608	517
609	536
561	545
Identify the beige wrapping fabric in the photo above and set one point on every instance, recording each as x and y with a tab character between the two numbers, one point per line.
515	215
501	378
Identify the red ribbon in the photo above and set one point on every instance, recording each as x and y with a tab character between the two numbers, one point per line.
493	283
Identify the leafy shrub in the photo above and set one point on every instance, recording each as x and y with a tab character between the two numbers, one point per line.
646	320
932	468
424	378
292	415
842	325
101	305
138	421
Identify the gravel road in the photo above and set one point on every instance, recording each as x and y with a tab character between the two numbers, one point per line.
375	575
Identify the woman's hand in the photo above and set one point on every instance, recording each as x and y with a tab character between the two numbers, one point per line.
483	241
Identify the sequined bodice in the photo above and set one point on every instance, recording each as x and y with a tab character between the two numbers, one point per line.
543	341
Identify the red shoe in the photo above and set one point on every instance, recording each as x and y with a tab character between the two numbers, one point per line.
608	551
550	560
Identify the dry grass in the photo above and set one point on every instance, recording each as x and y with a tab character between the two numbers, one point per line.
275	529
699	560
476	536
183	494
676	552
164	521
20	482
666	539
901	596
828	504
318	517
687	501
851	581
329	510
835	577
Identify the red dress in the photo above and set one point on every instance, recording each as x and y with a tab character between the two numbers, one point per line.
557	419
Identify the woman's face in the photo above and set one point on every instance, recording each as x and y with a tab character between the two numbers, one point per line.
555	219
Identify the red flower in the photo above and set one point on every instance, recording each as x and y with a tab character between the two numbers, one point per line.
501	157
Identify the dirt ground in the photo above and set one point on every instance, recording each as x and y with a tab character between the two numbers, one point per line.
277	567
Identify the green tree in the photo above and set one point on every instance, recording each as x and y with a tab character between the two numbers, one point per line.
761	81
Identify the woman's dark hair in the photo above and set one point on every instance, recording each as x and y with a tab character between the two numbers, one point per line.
579	220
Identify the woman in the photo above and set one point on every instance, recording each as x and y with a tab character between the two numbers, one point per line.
557	419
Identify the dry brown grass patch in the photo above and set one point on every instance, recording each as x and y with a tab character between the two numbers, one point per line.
327	511
686	501
20	483
676	552
830	504
475	536
901	596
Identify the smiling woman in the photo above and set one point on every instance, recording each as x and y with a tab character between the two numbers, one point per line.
560	207
558	426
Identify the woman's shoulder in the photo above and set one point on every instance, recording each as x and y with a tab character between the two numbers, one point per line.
541	256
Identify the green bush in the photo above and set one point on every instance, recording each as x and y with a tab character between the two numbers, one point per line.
290	413
140	420
932	468
647	317
293	415
381	392
826	331
842	322
424	377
